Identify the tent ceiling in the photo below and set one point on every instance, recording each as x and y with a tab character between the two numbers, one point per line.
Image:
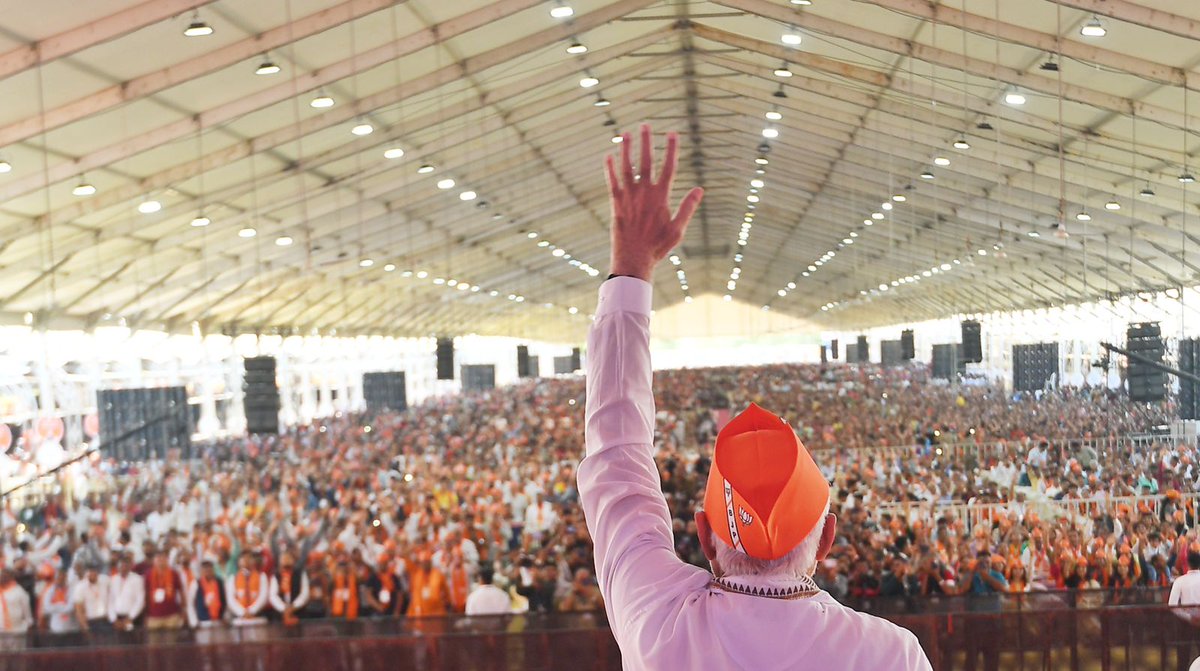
112	94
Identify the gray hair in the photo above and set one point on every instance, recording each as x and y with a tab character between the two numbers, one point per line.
800	561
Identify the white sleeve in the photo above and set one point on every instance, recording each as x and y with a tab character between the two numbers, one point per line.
190	606
139	598
261	602
1176	593
276	599
235	608
302	597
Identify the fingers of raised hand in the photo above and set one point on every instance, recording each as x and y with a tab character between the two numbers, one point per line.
647	163
687	208
627	160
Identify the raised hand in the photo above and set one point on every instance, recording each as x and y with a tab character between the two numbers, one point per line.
643	229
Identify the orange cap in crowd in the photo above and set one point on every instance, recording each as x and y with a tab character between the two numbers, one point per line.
765	492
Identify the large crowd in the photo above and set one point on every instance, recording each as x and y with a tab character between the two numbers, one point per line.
467	504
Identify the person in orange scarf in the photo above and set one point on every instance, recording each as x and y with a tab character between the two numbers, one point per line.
460	583
289	590
380	589
56	611
246	592
430	593
206	598
343	592
165	598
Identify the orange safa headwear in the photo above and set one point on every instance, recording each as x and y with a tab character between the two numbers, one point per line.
765	492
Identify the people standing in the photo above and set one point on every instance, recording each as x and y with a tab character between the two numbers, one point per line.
126	596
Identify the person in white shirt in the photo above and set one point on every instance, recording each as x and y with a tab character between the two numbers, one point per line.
126	595
16	613
539	518
57	607
486	598
1185	591
289	588
246	592
90	598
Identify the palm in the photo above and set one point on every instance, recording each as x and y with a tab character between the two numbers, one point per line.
644	230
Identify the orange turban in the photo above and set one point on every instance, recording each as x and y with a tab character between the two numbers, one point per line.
765	481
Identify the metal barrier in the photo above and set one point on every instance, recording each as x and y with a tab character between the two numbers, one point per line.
1050	630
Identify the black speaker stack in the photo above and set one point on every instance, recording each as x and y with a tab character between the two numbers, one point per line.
863	351
891	352
478	377
523	361
576	359
261	395
562	365
1146	382
908	350
972	345
833	349
141	424
445	358
851	352
948	363
1189	390
385	391
824	354
1034	366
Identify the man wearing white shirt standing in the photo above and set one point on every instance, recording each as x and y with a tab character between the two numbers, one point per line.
1185	591
16	613
539	518
486	598
57	607
126	595
90	597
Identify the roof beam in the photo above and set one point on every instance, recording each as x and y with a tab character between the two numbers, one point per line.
1130	12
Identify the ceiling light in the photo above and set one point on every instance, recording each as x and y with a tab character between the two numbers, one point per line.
877	215
83	188
770	133
197	28
149	206
446	183
761	160
617	139
804	3
868	222
1146	192
1186	177
791	38
942	161
1060	232
393	153
562	11
899	198
1014	97
451	282
588	82
544	243
757	183
5	166
532	235
466	196
247	233
752	198
201	221
984	125
1049	65
854	234
267	67
961	143
366	263
283	241
886	206
425	169
774	116
1093	28
363	128
1034	234
927	175
576	48
389	267
601	102
783	72
1112	205
1083	216
321	101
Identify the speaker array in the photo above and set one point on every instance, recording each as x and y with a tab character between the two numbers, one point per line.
261	395
576	359
833	349
523	361
445	358
972	345
908	350
1146	382
1034	366
863	351
891	352
140	424
385	391
1189	390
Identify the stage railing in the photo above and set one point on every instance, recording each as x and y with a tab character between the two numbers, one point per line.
1050	630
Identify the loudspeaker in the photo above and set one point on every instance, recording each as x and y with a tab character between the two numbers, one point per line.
833	349
445	358
385	391
1189	390
261	398
1146	383
576	359
908	350
948	363
891	353
562	365
824	354
863	351
523	361
140	424
972	347
1034	366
